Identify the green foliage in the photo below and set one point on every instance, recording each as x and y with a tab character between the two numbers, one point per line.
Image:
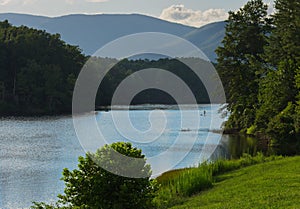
125	67
38	72
277	115
251	130
273	184
189	181
34	71
91	186
179	184
284	40
297	108
282	125
276	90
297	118
42	205
244	41
259	66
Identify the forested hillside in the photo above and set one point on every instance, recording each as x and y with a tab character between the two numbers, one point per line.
259	64
127	67
37	71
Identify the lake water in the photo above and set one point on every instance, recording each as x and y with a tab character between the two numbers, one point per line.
34	151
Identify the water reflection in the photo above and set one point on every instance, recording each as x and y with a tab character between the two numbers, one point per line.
34	151
238	145
233	147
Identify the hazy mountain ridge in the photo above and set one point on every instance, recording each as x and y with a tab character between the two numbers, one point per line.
90	32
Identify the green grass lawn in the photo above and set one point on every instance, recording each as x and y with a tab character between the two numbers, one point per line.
273	184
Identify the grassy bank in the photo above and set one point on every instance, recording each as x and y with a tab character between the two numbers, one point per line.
250	182
270	183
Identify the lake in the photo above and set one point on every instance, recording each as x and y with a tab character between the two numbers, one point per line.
34	151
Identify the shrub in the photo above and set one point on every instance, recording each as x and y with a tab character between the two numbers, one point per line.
91	186
281	127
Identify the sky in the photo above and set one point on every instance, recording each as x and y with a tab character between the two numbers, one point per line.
190	12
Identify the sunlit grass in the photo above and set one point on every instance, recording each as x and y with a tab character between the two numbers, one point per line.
177	185
267	185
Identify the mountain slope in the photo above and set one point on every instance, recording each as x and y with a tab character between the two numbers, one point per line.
90	32
211	37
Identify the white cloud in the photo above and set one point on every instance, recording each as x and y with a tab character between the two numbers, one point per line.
16	2
4	2
29	1
70	1
90	1
96	1
180	14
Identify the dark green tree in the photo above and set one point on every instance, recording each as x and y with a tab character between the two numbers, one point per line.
278	115
297	109
91	186
284	40
275	92
243	47
35	70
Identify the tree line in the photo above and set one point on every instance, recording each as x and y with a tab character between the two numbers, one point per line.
259	64
38	72
126	67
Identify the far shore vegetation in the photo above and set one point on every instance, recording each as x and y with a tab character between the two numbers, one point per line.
38	72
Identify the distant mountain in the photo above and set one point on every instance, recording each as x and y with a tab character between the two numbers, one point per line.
208	38
90	32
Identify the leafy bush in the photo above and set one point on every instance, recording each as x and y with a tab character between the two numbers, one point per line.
251	130
281	127
91	186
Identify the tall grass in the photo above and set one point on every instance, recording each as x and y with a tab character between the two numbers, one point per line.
178	184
